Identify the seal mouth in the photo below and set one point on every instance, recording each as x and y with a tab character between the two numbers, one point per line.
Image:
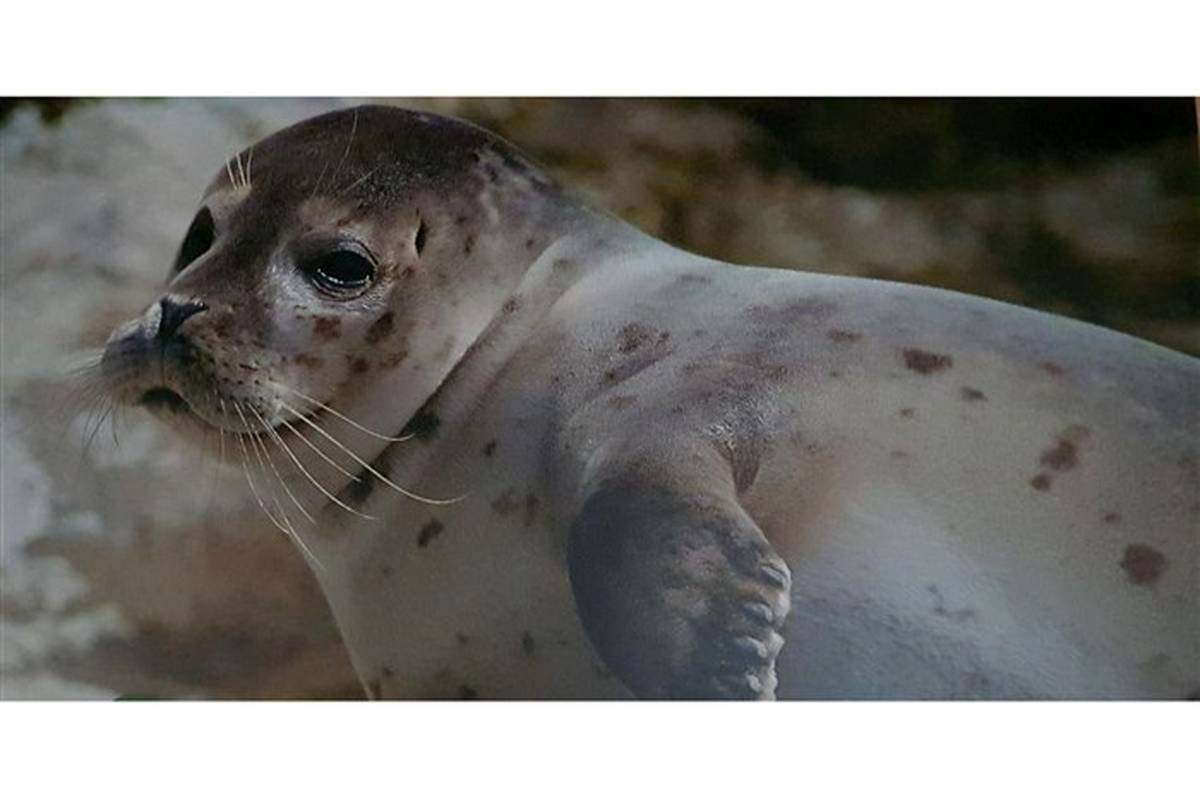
163	398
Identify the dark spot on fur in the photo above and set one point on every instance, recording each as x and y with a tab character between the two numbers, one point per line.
791	312
1062	458
1041	482
1112	517
1049	367
529	244
381	328
775	372
359	365
610	376
973	395
564	263
387	672
690	278
926	363
308	361
386	571
531	509
468	245
419	240
408	272
622	401
1064	455
395	359
506	503
632	336
430	531
898	454
327	327
489	449
223	327
462	638
511	304
527	643
907	412
467	692
939	607
423	425
1143	564
844	336
359	491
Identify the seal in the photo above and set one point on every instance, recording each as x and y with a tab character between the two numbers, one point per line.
530	451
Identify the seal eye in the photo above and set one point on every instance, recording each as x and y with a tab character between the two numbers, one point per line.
340	272
198	239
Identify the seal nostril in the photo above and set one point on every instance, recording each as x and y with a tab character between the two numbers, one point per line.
175	314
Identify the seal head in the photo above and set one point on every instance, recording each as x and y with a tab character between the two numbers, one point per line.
356	253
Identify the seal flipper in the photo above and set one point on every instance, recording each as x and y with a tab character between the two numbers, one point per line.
681	594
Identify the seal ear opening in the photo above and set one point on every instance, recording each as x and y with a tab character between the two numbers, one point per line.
198	239
419	239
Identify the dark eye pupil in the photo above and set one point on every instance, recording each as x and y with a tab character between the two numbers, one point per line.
341	270
197	241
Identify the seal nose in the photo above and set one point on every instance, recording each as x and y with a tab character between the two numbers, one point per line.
175	314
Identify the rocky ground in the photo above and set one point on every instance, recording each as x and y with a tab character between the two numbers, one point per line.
123	573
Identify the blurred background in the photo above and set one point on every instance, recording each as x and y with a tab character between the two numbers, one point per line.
131	567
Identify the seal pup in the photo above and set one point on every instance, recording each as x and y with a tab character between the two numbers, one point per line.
533	452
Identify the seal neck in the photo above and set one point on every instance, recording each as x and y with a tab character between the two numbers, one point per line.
489	325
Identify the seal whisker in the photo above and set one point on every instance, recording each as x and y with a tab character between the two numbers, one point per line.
114	423
346	152
229	171
249	164
319	451
368	174
86	362
333	498
289	530
105	411
278	476
221	429
371	469
342	416
81	399
250	481
320	178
